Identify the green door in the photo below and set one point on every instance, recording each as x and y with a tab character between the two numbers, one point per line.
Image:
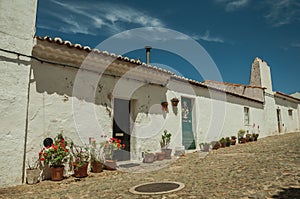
188	140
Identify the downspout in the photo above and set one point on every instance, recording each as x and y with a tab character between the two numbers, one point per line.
26	127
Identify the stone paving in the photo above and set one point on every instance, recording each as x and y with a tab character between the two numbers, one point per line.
268	168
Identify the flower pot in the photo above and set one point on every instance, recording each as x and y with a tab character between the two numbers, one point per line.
233	142
149	158
204	147
164	106
110	164
81	172
215	145
96	167
174	101
57	173
32	176
160	156
167	152
228	144
243	140
223	144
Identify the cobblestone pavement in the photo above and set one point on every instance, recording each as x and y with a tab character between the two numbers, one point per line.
268	168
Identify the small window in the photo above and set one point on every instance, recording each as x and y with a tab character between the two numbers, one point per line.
290	112
246	116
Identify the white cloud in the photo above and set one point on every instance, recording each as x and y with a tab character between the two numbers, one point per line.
207	37
296	45
94	19
233	5
283	12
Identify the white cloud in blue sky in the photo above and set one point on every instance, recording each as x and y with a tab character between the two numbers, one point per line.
86	19
282	12
233	5
107	18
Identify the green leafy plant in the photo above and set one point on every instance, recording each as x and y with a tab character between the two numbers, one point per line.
165	139
57	154
110	146
96	152
80	155
241	133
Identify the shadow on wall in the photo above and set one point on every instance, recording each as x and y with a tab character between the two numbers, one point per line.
51	79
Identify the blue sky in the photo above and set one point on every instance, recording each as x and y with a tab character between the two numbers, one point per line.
233	32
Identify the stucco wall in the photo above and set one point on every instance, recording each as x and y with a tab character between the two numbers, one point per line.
16	35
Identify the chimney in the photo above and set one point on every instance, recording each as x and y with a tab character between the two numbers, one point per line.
148	48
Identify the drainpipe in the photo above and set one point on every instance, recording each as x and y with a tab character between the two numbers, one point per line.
148	48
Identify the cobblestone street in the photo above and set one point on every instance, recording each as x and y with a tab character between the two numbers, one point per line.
268	168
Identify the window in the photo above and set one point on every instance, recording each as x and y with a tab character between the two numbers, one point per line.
290	112
246	116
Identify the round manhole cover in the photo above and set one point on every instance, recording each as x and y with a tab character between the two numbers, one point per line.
157	188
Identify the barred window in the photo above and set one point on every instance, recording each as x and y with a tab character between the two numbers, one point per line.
246	116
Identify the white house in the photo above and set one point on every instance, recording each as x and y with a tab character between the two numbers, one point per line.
49	85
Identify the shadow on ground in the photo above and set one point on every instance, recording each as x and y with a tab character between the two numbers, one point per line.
288	193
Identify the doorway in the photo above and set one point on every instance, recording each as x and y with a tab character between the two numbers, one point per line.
188	140
279	120
121	127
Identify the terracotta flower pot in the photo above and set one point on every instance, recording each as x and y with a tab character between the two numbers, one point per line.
149	158
160	156
167	152
233	142
110	164
174	101
81	172
96	167
57	173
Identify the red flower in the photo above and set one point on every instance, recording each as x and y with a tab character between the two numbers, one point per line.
118	145
123	146
42	159
119	141
47	147
66	150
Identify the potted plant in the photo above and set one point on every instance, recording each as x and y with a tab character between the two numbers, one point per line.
148	157
228	142
164	143
222	142
255	136
215	145
174	101
109	148
233	140
248	137
32	172
55	156
241	134
80	160
97	158
204	146
160	156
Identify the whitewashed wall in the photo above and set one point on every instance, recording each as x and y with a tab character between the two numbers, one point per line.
289	123
17	22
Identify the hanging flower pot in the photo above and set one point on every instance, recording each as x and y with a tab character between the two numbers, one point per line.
174	101
164	106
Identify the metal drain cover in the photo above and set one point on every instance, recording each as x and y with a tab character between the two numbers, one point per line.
157	188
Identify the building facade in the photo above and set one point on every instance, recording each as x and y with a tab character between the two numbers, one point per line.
49	85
